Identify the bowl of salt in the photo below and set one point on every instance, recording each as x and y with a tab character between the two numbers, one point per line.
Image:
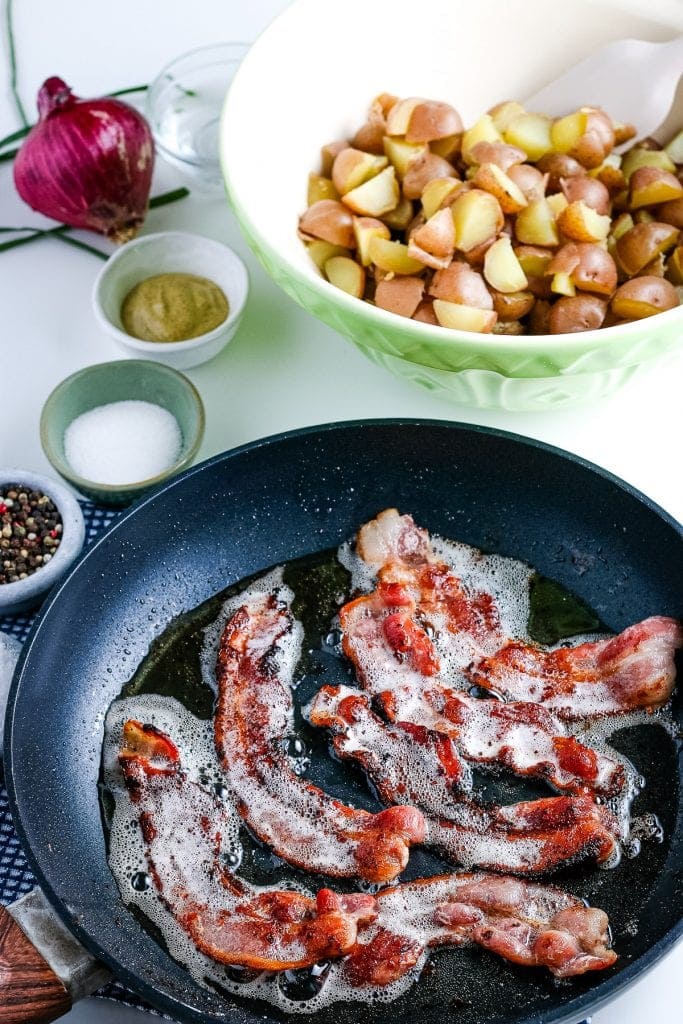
116	430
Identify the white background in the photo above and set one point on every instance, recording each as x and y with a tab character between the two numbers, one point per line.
284	369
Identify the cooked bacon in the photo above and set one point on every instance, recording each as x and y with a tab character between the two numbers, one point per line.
623	673
528	924
412	764
523	737
183	826
402	557
304	825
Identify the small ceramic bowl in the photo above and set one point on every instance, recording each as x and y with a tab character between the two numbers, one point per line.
171	252
17	597
122	380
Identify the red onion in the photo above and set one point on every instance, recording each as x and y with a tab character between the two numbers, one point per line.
87	163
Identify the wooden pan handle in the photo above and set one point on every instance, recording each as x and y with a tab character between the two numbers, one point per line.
30	992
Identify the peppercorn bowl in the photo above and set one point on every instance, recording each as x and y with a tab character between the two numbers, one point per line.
63	547
472	56
171	252
120	381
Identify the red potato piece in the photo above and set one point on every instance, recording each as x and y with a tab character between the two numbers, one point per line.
643	243
434	242
331	221
577	313
590	267
589	190
499	153
530	180
432	120
644	296
424	169
649	186
425	314
671	213
459	283
558	166
401	295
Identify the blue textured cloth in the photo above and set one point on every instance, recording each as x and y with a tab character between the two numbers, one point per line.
15	875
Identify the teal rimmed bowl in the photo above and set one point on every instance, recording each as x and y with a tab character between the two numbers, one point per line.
121	380
473	55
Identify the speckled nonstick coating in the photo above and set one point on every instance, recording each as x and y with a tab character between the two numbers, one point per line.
284	497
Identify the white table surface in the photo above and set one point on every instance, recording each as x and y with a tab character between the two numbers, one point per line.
284	369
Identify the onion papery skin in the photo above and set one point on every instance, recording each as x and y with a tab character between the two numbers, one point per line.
87	163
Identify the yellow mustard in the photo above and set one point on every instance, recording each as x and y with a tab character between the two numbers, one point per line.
173	307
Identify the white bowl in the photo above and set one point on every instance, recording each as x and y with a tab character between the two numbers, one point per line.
329	62
17	597
169	252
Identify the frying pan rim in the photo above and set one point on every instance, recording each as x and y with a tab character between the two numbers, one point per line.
584	1003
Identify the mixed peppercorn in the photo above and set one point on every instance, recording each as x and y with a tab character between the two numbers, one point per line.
30	532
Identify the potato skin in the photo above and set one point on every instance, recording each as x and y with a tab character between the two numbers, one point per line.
577	313
644	296
639	246
590	267
590	190
459	283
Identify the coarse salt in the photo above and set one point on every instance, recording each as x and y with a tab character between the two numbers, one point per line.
122	442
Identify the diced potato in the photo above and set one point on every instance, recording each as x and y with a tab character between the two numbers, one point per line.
437	193
674	268
448	148
649	186
393	257
533	259
346	274
401	153
432	120
536	225
375	197
530	180
674	149
583	223
365	229
477	216
464	318
499	153
671	213
329	220
492	179
425	313
352	167
400	217
460	284
572	314
503	113
320	252
531	132
502	269
483	131
400	295
644	296
319	188
587	135
562	284
328	155
433	243
640	157
512	306
423	170
639	246
557	203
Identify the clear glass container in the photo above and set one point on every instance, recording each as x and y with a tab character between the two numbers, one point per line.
184	105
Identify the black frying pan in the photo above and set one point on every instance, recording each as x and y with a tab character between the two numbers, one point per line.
278	499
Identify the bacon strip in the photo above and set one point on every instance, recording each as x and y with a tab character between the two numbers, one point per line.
229	920
304	825
633	670
236	923
610	677
411	764
528	924
523	737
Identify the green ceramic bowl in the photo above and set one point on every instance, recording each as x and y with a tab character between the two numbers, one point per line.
122	380
441	56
